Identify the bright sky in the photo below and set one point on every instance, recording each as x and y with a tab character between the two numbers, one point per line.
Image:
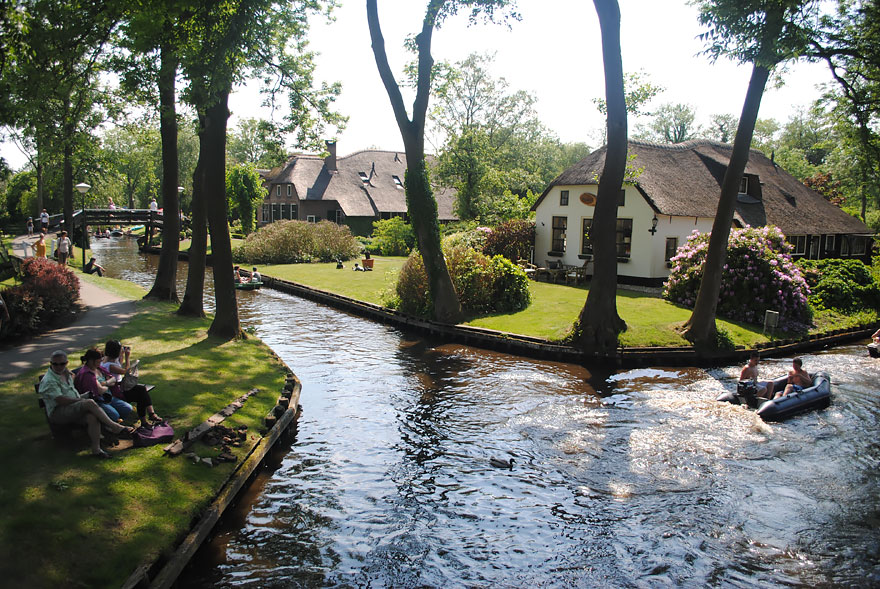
554	52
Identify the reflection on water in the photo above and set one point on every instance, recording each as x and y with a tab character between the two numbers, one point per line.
646	482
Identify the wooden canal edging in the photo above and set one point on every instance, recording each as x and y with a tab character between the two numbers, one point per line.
533	347
164	572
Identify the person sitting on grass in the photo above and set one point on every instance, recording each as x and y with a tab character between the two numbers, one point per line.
117	361
93	268
798	379
357	268
92	381
255	276
65	405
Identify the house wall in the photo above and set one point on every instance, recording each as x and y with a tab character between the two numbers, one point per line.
647	261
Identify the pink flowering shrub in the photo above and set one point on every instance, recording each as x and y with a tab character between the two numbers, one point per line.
46	297
759	275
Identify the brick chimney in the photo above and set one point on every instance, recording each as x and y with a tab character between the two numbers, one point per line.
330	160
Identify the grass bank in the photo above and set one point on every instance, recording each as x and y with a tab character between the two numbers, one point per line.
69	519
651	321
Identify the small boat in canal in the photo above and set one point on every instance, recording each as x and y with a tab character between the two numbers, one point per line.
248	285
817	396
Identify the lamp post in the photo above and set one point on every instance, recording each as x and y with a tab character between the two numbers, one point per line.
83	188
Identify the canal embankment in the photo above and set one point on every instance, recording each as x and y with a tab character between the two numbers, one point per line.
72	519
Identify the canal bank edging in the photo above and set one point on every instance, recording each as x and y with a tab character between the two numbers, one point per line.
162	573
533	347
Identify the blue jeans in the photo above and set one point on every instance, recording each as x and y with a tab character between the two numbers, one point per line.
115	409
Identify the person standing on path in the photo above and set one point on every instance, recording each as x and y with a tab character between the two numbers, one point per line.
63	248
44	221
30	226
40	246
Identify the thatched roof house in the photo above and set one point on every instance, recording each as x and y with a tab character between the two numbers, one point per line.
356	189
679	186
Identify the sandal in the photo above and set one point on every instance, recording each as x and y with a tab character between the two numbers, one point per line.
101	454
154	417
127	432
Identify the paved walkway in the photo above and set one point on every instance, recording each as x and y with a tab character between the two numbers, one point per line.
104	313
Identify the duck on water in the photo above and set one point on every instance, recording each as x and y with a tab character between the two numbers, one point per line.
784	396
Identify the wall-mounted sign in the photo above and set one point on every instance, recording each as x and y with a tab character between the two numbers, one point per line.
588	199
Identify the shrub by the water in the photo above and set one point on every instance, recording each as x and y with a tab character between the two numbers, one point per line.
759	275
393	237
844	285
291	242
484	285
46	296
512	239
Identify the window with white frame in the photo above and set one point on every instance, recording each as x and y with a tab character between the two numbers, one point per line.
800	244
859	246
266	218
671	247
624	237
558	240
844	246
278	190
311	219
829	243
563	198
744	185
814	247
586	244
289	190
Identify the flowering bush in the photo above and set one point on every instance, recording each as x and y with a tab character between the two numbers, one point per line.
759	275
512	239
46	296
291	242
484	285
473	238
845	285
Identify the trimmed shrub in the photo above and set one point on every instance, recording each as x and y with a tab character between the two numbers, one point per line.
484	285
46	296
844	285
292	242
512	239
393	237
474	239
759	275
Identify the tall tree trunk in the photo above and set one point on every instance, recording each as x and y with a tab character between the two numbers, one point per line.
421	204
165	285
700	328
599	322
67	186
225	324
193	303
39	170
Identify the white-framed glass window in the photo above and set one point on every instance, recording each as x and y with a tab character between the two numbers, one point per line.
744	185
289	190
311	219
558	239
563	198
624	237
265	217
397	181
844	246
277	190
859	246
671	247
800	244
586	244
294	211
285	211
339	217
814	247
829	243
276	211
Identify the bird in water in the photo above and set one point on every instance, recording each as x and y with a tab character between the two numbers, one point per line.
499	463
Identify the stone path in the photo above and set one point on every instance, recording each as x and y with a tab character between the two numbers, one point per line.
104	313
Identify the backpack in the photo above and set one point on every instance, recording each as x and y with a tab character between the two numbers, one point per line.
158	433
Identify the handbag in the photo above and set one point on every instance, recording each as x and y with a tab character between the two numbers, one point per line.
130	379
158	433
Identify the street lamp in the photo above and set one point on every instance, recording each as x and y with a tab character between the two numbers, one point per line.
83	188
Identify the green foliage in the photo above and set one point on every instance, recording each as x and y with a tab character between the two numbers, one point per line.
245	192
47	294
393	237
638	91
759	275
843	285
484	285
474	238
291	242
511	239
672	123
256	141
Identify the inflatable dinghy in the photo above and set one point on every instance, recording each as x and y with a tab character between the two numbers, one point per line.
817	396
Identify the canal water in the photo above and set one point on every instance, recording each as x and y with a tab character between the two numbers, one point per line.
634	478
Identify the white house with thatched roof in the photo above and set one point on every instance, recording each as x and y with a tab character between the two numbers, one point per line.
675	191
356	189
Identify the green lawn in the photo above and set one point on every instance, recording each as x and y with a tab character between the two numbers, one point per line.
69	519
651	321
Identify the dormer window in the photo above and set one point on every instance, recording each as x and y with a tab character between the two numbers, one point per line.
744	185
397	181
364	177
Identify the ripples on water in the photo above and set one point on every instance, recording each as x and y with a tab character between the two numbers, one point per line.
628	479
